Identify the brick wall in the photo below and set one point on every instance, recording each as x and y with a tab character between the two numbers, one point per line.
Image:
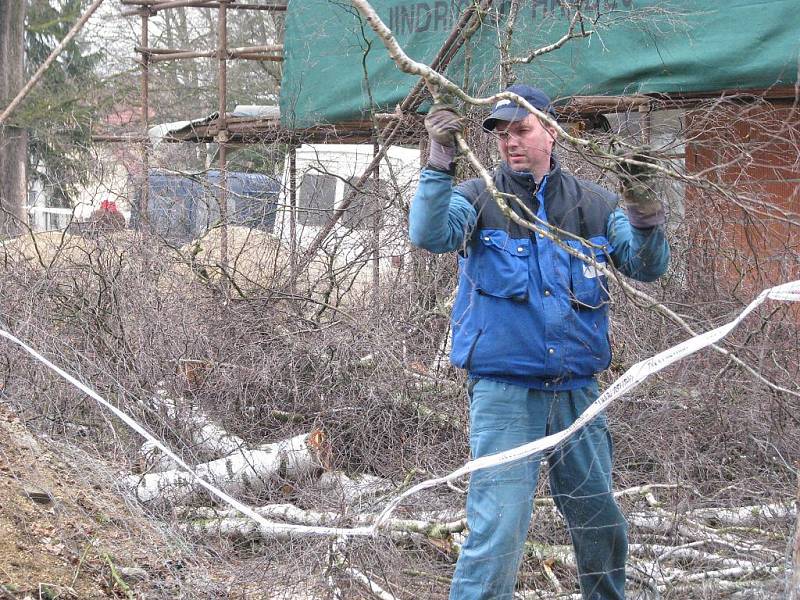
743	239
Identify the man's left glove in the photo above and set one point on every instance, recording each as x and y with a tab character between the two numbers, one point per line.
442	123
638	190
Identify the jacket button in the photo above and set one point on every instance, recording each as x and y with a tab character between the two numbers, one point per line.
541	235
547	292
487	238
520	248
551	350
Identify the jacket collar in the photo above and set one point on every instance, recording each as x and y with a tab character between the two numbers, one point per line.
525	178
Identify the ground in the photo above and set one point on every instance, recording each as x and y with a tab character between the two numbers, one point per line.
69	532
66	533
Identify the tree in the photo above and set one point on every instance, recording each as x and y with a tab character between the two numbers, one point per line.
13	139
57	113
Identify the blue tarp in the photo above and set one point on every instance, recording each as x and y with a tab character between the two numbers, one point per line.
180	208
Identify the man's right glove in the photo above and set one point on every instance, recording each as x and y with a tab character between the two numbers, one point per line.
442	123
638	191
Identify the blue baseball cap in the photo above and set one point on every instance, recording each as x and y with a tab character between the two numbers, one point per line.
507	110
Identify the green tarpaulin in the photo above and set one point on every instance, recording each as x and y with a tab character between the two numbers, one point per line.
335	68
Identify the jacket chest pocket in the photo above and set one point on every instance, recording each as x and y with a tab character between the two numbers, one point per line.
502	266
588	286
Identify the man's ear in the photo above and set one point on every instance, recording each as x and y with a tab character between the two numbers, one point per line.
553	132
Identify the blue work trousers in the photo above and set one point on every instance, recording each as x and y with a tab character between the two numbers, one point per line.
500	499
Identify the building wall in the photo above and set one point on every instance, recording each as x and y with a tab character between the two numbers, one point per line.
744	236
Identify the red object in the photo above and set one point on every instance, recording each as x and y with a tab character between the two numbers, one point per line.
109	205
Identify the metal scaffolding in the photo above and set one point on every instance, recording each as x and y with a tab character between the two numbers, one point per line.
225	129
220	133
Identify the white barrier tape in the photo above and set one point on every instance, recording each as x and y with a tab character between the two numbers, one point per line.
787	292
267	526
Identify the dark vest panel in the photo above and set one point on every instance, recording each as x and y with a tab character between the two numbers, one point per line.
573	205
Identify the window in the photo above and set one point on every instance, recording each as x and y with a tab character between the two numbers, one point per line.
315	199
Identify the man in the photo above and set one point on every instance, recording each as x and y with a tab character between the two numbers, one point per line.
530	326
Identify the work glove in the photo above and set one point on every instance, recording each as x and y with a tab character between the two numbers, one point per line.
638	189
442	123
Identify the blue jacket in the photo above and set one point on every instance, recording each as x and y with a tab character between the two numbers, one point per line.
526	311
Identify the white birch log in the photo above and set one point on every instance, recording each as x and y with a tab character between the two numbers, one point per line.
540	595
244	469
152	460
743	589
563	555
206	438
731	572
369	584
230	523
286	512
237	528
338	559
687	553
663	522
241	528
351	491
744	516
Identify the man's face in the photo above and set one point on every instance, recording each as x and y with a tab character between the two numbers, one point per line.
525	145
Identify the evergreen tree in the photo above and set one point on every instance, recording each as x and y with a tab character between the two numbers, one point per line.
59	111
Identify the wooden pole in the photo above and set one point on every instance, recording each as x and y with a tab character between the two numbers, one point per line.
293	210
144	198
156	5
211	53
375	220
271	53
222	136
794	589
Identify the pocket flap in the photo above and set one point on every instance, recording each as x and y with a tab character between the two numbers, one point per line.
500	240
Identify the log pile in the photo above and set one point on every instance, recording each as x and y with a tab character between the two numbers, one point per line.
734	549
725	549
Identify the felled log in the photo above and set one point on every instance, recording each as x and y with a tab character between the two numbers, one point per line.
152	460
723	574
687	553
561	554
369	584
229	523
351	491
245	469
661	521
286	512
743	516
207	439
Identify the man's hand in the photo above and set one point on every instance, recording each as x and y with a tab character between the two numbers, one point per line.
638	191
442	123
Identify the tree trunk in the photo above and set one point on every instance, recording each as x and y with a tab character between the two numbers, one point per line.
13	140
246	469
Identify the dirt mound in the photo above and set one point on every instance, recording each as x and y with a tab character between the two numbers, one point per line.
256	261
254	257
57	248
66	533
260	260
